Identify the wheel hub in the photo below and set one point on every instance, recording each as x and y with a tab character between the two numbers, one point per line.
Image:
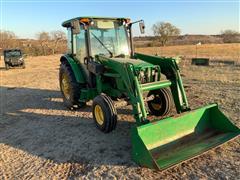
65	86
99	116
156	103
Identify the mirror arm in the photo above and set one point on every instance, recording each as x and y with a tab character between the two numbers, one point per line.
135	22
130	35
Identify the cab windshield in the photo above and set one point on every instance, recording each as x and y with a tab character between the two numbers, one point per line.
108	38
13	54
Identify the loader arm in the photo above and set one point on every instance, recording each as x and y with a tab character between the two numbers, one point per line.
171	70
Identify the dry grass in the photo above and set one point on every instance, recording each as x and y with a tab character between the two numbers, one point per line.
213	51
41	139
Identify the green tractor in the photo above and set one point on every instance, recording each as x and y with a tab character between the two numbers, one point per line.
101	65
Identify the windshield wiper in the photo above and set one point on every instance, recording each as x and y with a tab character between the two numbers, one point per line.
111	54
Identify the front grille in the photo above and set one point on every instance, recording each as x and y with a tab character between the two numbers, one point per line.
15	61
149	74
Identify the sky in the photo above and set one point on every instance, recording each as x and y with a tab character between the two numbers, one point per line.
28	17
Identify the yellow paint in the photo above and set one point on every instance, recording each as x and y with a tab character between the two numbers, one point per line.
99	116
65	86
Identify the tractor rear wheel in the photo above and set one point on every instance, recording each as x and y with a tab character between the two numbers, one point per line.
104	113
70	88
161	103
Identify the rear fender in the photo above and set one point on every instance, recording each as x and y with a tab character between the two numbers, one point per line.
76	68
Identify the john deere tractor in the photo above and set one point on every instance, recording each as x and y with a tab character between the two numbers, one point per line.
101	65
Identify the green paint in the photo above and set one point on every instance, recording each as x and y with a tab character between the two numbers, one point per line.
76	68
164	142
155	85
170	69
167	142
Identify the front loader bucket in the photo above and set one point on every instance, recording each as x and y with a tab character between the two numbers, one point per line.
169	141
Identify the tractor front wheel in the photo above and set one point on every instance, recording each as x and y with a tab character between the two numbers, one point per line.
70	88
104	113
161	103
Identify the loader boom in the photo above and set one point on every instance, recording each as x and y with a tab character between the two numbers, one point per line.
170	69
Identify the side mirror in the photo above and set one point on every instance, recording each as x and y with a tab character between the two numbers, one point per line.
142	27
75	26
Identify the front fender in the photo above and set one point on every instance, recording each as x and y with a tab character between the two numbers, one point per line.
76	68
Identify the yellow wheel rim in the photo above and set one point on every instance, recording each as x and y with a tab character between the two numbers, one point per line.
156	106
65	86
99	116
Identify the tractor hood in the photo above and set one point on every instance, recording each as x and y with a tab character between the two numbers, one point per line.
137	63
146	72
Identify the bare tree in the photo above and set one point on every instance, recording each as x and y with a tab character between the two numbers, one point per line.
57	37
7	39
44	39
230	36
164	30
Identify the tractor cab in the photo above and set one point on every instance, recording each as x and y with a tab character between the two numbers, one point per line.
107	36
91	37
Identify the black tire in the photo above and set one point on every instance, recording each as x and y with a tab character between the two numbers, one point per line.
6	66
109	119
74	88
23	65
162	102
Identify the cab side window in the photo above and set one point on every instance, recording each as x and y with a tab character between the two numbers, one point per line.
69	42
80	46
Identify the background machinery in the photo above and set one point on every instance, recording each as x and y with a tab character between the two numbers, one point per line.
13	58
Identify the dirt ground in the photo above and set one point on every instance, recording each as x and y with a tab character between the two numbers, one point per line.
41	139
227	51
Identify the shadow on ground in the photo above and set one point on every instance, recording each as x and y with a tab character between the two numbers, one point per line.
36	121
2	68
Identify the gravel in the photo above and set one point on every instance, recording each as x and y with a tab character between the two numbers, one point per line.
41	139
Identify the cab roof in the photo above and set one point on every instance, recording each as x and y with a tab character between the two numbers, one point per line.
9	50
68	22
